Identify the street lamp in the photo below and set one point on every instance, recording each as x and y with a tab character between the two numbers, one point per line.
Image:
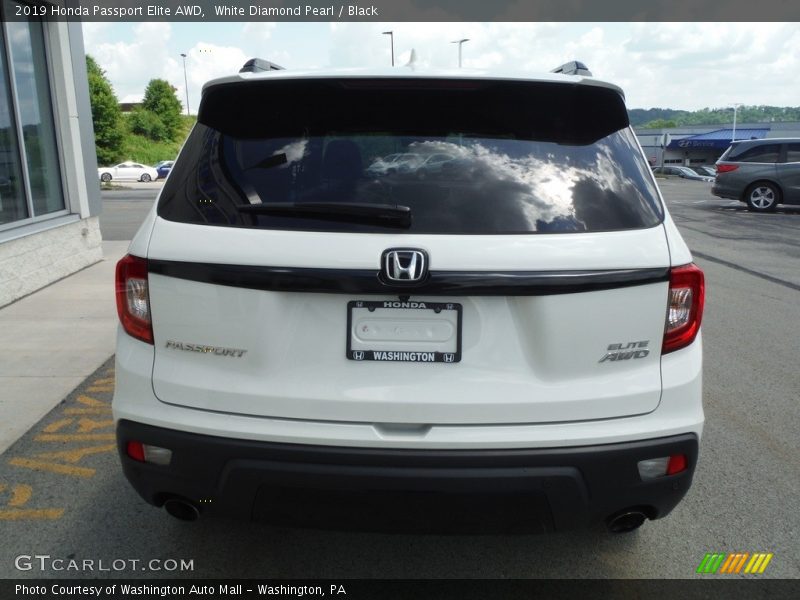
185	83
735	106
391	42
459	42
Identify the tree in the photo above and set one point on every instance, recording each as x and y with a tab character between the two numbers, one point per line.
105	114
149	124
160	99
660	124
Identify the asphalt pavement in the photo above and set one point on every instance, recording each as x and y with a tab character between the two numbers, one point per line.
745	496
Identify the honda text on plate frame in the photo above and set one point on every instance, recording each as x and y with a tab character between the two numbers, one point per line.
421	275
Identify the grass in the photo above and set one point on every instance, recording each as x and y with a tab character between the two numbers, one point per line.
138	148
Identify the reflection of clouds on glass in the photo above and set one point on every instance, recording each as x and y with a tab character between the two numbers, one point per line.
542	184
294	151
23	70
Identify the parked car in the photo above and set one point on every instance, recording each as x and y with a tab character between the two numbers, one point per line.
163	168
380	166
127	171
761	173
302	344
434	165
704	170
682	172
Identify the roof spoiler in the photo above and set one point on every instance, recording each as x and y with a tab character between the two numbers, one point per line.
574	67
258	65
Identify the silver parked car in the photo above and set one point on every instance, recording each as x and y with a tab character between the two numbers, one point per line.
682	172
760	173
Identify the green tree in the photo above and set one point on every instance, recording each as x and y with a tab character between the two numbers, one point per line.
149	124
659	124
160	99
108	133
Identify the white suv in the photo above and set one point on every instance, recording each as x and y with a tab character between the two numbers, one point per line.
511	344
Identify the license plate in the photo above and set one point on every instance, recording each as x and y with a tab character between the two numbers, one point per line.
396	331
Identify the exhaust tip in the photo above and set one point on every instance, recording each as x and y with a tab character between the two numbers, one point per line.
181	509
627	521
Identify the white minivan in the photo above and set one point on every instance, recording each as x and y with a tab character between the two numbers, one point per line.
511	345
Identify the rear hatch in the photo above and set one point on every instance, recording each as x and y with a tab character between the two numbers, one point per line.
523	280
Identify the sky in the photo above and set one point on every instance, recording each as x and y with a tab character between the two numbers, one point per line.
667	65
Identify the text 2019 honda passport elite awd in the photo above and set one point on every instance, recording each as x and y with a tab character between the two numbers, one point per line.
410	300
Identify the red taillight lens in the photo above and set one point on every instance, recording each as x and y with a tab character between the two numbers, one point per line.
133	298
677	464
135	450
723	168
684	308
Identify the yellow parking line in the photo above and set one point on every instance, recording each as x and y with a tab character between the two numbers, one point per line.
40	465
53	427
21	494
19	514
75	437
87	411
76	455
89	401
104	381
100	388
87	425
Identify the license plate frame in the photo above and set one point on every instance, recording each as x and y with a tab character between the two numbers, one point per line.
404	355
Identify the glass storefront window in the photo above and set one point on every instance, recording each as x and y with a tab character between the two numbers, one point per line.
34	107
13	203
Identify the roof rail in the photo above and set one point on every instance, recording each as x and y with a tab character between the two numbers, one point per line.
257	65
574	67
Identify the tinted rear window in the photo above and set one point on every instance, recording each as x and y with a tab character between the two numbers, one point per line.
760	153
467	157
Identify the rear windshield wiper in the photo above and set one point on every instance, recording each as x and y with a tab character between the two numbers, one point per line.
388	215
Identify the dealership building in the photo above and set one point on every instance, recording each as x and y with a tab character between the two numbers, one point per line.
49	193
704	144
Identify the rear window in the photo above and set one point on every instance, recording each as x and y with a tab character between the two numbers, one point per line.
761	153
793	153
458	156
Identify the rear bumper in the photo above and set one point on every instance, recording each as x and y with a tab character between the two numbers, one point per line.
725	191
407	490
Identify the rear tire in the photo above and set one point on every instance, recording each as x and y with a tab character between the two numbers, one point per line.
145	178
762	197
105	177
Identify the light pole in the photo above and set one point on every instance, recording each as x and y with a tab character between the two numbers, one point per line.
459	42
735	106
391	42
185	83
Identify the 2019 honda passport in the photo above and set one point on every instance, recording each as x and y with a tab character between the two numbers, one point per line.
509	342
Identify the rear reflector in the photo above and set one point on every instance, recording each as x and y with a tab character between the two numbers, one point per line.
677	464
133	298
157	455
653	468
135	450
684	307
150	454
726	168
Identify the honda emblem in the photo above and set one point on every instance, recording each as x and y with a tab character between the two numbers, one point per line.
404	266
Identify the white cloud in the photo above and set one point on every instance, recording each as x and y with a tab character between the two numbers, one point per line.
131	65
676	65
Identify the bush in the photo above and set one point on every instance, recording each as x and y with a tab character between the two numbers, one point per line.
160	99
148	124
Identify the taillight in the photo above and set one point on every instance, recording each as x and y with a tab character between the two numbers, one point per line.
133	298
684	308
723	168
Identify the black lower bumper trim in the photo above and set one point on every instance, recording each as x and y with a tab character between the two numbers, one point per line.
407	490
